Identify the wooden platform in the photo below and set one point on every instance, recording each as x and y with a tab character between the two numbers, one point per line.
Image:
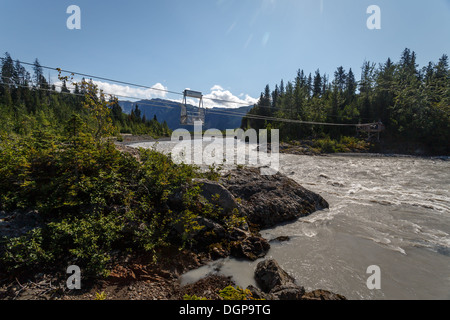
370	130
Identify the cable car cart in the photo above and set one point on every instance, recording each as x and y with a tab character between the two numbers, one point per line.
370	130
188	117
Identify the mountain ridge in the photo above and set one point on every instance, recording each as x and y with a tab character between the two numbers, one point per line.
169	111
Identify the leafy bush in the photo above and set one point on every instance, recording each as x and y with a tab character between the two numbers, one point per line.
96	201
326	145
345	144
100	296
354	143
232	293
227	293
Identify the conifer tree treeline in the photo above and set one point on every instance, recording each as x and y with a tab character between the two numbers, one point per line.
412	102
29	101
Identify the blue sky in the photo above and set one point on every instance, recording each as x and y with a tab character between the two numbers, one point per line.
227	49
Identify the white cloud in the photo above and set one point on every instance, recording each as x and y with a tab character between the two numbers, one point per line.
216	88
127	92
219	97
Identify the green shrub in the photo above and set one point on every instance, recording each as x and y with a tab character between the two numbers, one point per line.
326	145
96	202
345	144
100	296
354	143
232	293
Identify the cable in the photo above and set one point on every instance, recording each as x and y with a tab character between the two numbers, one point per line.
218	112
147	87
221	112
82	95
124	82
96	77
250	116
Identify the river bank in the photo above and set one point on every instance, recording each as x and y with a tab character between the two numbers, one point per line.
320	147
145	280
264	201
385	210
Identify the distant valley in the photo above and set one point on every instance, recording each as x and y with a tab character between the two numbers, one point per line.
169	111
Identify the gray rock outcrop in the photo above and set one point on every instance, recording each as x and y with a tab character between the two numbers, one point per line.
277	284
272	199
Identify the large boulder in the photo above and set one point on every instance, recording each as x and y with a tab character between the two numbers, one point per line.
268	200
289	291
322	295
217	194
277	284
250	246
259	294
211	231
264	200
269	274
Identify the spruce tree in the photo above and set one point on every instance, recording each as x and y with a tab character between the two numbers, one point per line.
317	87
8	71
350	86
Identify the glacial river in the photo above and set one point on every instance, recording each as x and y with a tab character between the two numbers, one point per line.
392	212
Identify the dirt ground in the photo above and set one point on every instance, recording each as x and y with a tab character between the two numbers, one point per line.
138	280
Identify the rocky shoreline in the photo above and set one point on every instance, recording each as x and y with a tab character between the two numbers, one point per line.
264	200
306	147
